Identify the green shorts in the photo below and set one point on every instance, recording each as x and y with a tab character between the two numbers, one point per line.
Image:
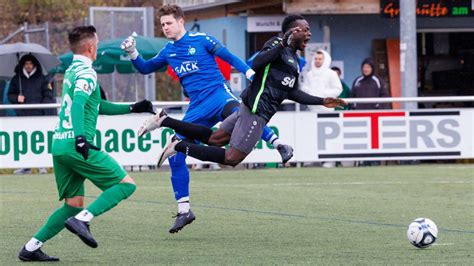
71	170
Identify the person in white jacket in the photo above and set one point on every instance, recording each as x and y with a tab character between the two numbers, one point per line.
320	80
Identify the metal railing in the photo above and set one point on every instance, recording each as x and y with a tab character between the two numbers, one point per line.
163	104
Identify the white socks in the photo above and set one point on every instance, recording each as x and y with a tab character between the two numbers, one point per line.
183	207
84	216
33	244
275	141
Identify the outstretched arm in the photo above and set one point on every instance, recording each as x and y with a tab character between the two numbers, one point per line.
304	98
143	66
148	66
109	108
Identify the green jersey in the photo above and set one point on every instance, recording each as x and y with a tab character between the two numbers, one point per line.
80	80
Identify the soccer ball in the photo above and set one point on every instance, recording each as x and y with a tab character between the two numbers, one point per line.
422	232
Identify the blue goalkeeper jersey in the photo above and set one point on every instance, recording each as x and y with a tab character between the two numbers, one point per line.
192	59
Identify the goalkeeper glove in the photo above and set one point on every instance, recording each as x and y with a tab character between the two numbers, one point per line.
129	46
144	106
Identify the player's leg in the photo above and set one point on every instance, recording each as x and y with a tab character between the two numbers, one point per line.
179	171
200	132
285	150
180	183
109	176
205	153
202	116
246	131
189	130
231	156
268	135
203	120
70	188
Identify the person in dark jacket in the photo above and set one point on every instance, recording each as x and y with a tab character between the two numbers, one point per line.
368	85
30	86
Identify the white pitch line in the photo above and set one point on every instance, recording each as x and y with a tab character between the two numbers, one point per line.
329	184
373	183
454	167
443	244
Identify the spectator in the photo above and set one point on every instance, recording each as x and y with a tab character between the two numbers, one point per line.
29	86
368	85
346	92
319	80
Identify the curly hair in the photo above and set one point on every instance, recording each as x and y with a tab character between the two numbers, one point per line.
288	22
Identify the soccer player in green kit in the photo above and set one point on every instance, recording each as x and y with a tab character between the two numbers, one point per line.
75	158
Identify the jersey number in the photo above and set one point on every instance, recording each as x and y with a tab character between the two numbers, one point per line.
66	115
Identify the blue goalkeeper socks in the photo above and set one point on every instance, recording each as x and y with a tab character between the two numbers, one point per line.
179	176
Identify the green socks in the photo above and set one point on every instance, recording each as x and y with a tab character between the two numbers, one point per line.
111	197
55	222
106	201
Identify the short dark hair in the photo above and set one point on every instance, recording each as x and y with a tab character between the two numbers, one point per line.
289	22
78	34
174	10
335	68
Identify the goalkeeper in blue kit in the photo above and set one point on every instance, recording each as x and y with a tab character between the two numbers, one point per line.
192	57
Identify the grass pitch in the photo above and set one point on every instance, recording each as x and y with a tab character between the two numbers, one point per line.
278	216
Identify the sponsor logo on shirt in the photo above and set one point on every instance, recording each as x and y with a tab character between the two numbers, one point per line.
186	67
289	82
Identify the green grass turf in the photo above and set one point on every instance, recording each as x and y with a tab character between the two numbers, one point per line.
277	216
